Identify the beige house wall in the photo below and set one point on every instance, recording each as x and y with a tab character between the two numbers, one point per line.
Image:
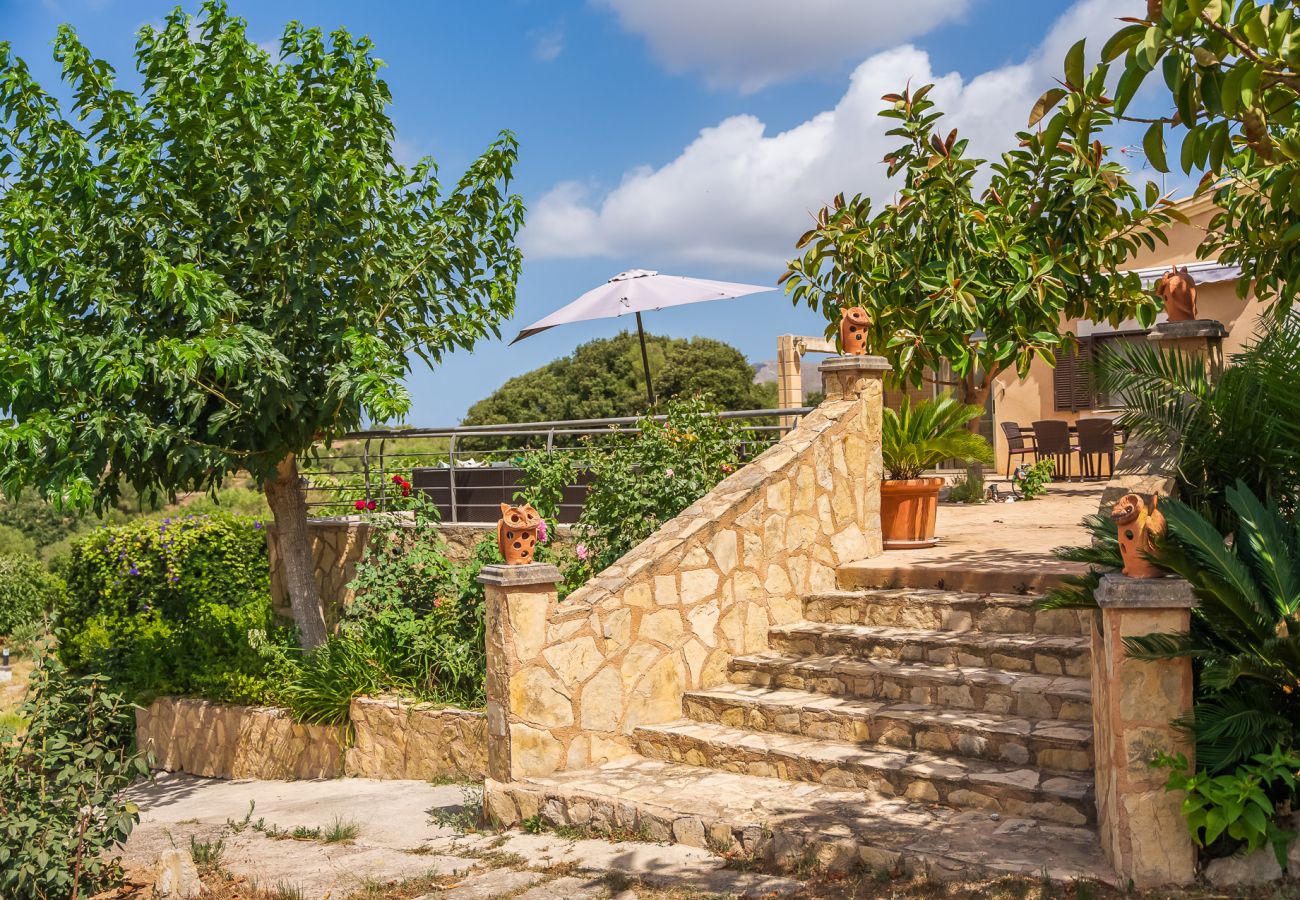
1025	400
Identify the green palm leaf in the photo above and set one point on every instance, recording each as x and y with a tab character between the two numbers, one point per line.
917	437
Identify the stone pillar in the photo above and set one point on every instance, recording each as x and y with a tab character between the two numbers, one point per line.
1143	834
519	600
789	376
850	377
1198	337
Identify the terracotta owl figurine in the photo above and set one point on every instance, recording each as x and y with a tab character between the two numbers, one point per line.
1177	288
517	533
1139	521
854	323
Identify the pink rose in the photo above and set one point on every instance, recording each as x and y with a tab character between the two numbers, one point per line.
582	552
541	531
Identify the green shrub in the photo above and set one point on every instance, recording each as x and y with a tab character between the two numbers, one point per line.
14	543
1032	480
969	488
61	788
167	607
28	593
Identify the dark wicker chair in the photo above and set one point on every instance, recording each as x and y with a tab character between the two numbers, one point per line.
1016	443
1052	438
1096	439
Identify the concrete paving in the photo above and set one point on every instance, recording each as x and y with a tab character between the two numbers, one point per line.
399	837
990	547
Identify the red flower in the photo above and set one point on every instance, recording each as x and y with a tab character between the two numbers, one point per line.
406	490
360	504
371	505
397	479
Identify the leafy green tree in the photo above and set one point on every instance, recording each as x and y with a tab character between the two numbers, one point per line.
1233	75
604	378
217	272
981	279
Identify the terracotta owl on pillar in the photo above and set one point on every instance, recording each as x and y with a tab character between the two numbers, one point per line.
517	533
1139	522
854	322
1177	288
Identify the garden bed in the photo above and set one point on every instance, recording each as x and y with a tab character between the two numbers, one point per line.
392	739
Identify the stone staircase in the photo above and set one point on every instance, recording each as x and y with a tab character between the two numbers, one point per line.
897	728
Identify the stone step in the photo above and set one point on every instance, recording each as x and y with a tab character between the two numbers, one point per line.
790	825
1040	654
949	687
944	611
1044	743
917	775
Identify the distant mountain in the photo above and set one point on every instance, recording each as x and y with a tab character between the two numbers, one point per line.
766	372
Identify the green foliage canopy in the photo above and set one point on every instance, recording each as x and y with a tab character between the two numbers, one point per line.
604	378
1232	70
981	279
228	266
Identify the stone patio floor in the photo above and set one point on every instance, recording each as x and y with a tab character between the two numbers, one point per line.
405	830
990	547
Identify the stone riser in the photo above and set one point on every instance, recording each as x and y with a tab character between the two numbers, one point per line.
1060	799
936	648
1065	747
1030	696
945	611
771	823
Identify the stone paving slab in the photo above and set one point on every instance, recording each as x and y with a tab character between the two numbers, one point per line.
785	822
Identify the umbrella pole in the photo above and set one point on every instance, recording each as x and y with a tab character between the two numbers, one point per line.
645	360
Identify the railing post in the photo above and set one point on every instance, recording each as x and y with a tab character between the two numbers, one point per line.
451	475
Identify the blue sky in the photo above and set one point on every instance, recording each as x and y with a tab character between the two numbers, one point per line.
687	136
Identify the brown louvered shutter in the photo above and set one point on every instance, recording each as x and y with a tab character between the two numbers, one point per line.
1072	387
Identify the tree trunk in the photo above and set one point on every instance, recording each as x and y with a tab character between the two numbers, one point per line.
288	502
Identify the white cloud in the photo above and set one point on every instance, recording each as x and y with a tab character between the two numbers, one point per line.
548	43
738	195
749	44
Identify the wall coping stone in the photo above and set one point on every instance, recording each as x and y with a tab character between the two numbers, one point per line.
1118	591
518	576
1193	328
855	364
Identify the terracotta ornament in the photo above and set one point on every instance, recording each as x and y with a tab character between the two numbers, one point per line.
854	323
1139	521
1177	288
517	533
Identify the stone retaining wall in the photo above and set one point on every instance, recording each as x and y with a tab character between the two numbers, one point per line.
569	682
394	739
339	542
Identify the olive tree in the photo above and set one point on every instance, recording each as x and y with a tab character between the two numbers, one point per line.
979	264
221	269
1231	69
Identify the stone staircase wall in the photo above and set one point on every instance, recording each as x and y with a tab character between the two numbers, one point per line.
569	682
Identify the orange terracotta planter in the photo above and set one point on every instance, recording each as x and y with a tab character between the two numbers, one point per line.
907	512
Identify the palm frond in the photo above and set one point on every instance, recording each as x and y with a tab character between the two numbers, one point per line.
1232	727
1154	647
919	436
1264	542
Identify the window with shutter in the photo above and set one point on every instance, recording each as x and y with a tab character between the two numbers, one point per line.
1072	386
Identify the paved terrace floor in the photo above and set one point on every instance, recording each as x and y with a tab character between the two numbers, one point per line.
990	547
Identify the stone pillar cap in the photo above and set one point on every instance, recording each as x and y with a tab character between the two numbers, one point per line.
1192	328
854	364
519	576
1118	591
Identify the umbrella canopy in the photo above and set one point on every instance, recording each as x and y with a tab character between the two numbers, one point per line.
637	291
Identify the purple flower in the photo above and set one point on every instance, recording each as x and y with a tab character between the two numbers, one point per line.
582	552
257	524
541	531
135	571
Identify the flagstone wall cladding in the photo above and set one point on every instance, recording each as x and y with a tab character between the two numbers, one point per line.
394	739
338	544
568	682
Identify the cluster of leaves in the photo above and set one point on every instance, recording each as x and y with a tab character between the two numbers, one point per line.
604	379
166	607
1232	69
61	787
638	480
977	280
1032	480
1239	809
916	437
28	595
1242	424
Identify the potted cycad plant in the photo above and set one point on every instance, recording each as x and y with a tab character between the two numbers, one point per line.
917	437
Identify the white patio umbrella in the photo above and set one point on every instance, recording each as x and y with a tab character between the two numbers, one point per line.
636	291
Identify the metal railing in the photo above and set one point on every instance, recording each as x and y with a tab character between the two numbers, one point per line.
360	465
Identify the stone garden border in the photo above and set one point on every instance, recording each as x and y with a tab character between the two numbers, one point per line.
392	739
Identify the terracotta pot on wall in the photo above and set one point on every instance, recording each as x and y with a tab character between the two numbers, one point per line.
907	512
